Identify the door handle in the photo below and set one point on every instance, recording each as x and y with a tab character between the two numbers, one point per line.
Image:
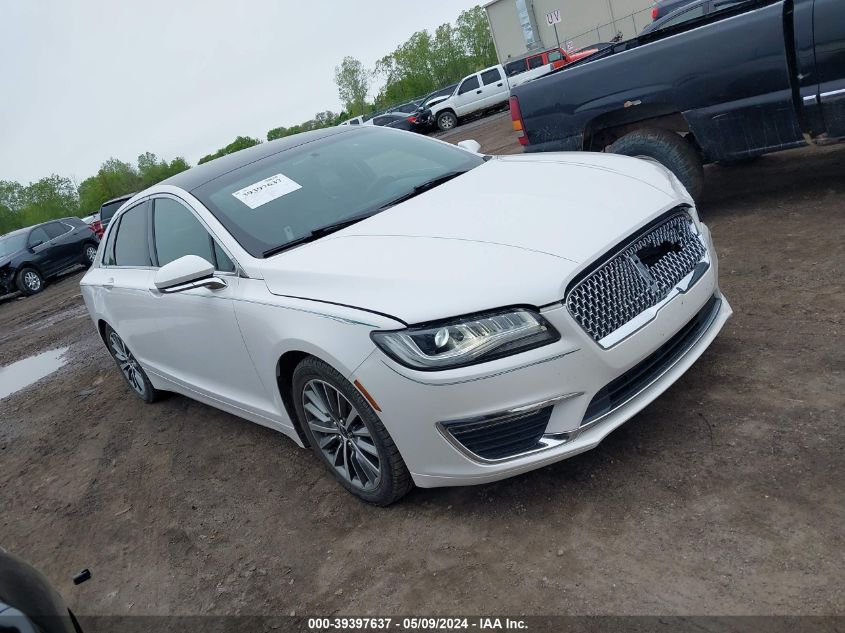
109	283
499	85
478	92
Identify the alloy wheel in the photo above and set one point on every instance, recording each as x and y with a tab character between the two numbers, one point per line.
32	280
447	122
90	253
342	435
128	365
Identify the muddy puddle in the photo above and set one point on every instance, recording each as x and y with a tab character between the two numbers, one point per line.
23	373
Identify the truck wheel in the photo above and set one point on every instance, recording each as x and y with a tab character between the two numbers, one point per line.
446	121
669	149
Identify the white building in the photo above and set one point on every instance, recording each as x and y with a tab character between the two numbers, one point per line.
521	26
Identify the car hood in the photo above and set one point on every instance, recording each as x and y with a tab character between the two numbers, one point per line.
513	231
6	259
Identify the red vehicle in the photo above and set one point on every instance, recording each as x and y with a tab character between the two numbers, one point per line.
554	56
94	222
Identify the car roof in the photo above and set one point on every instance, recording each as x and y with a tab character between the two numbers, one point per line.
201	174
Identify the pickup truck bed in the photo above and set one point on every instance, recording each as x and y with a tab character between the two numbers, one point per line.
759	77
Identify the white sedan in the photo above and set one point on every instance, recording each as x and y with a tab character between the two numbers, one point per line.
415	312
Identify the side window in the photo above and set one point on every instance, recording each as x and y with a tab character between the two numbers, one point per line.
470	83
535	62
131	247
178	233
36	236
555	56
56	229
691	14
491	76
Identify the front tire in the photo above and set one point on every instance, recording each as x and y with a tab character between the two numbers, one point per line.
447	121
130	368
346	434
669	149
29	281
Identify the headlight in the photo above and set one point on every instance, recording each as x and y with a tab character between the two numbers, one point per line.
468	340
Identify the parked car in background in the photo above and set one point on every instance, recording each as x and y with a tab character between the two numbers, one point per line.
358	120
396	120
31	256
94	222
662	8
423	120
405	108
485	90
110	207
392	302
554	57
687	12
748	78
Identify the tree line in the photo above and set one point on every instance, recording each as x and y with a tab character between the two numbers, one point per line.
422	64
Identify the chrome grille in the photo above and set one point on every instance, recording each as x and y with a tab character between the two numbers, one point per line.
638	277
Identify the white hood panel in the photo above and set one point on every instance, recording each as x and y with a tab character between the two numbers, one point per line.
512	231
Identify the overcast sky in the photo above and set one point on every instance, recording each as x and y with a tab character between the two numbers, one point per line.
90	79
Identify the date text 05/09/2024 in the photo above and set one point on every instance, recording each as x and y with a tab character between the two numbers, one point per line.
417	624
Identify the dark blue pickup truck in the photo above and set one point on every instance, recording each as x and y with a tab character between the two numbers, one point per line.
757	76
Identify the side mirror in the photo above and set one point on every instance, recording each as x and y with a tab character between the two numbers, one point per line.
471	146
186	273
35	245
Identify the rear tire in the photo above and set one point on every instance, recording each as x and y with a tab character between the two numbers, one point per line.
447	121
669	149
29	281
347	435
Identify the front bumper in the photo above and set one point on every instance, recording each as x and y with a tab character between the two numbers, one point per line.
566	376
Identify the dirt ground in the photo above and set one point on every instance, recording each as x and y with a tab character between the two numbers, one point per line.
725	496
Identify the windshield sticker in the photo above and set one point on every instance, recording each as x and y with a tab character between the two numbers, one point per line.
266	190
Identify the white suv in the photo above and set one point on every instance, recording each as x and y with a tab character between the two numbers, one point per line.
479	91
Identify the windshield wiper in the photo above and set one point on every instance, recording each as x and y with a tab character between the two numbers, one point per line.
316	234
429	184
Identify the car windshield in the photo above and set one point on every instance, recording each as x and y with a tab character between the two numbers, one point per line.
12	243
293	194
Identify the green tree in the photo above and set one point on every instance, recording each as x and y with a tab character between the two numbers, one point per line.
241	142
114	178
49	198
151	170
475	36
353	83
277	132
426	62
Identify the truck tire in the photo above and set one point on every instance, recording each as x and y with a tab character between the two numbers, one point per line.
446	121
671	150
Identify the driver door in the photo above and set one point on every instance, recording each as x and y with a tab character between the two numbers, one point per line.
469	96
202	348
